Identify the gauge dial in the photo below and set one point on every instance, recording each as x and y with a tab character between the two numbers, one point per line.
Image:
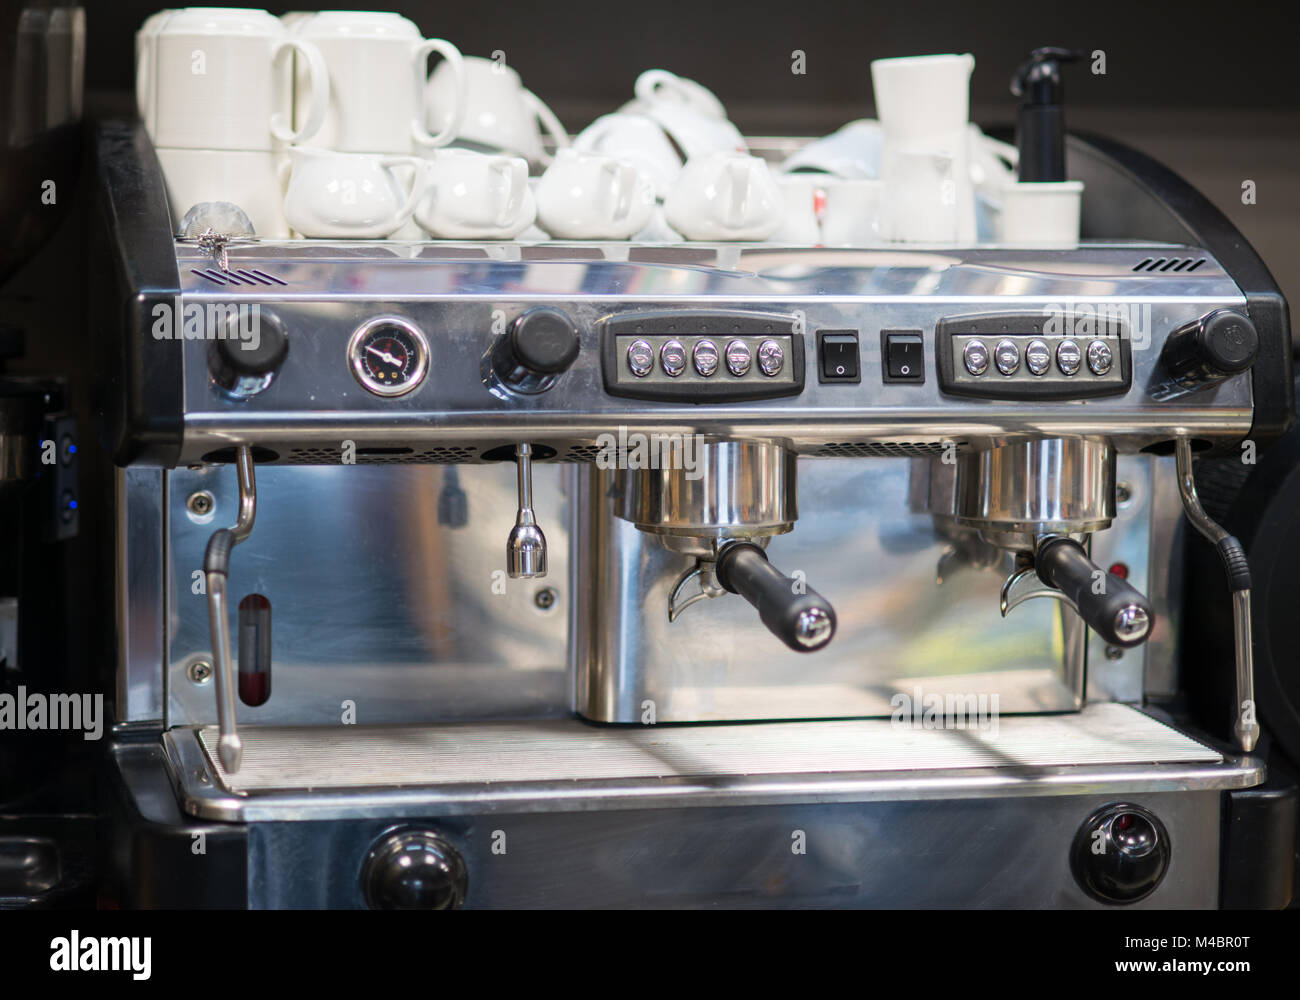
389	356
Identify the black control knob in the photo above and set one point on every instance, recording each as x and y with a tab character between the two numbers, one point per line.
540	345
414	870
1217	346
1120	854
246	352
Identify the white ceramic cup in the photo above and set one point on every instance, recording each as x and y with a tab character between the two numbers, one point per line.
928	194
211	78
922	96
638	138
476	196
851	152
351	195
725	196
799	225
377	64
1043	214
853	212
660	85
585	196
245	178
500	113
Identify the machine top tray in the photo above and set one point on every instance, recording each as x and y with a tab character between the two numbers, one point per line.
569	765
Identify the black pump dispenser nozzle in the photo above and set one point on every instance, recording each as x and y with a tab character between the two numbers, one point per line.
1040	131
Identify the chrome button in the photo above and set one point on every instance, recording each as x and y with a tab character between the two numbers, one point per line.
738	358
1100	357
771	358
1068	357
1007	357
705	356
672	358
1038	357
976	356
640	358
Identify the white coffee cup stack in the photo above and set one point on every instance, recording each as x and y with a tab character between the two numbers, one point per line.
211	90
923	105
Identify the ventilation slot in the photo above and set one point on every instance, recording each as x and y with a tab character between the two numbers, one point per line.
239	276
880	449
1169	264
581	453
381	456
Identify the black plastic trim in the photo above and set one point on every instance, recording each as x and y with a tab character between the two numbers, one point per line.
133	269
1128	195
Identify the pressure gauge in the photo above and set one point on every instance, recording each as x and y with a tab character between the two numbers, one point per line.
389	356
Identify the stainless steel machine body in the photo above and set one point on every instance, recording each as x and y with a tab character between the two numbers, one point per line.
420	691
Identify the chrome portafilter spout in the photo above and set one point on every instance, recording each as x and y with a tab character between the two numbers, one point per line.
1042	499
216	569
722	511
526	547
1233	555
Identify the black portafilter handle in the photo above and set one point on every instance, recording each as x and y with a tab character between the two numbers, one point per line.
1040	123
798	616
1116	611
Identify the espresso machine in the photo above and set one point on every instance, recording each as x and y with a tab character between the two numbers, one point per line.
526	575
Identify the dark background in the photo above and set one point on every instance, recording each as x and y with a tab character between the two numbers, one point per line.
1211	89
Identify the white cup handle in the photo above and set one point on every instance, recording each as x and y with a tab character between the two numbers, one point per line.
320	91
419	182
514	173
453	57
549	122
649	82
142	84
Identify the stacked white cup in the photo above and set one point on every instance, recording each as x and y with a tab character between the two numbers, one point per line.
923	104
367	174
210	87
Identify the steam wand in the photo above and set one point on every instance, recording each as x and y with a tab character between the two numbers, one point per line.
1238	569
216	568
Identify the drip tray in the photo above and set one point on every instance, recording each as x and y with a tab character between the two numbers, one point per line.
300	773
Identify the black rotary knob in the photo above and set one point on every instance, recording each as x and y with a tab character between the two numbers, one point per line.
247	350
1120	854
540	345
1217	346
414	870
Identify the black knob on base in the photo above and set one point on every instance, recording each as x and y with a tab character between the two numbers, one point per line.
246	352
540	345
414	870
1217	346
1120	854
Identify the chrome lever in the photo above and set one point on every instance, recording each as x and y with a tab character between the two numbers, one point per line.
216	568
1246	728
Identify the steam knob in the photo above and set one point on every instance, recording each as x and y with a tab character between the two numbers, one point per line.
540	346
414	870
1215	347
247	352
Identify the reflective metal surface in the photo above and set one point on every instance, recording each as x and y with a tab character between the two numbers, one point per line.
878	563
458	294
735	489
1048	485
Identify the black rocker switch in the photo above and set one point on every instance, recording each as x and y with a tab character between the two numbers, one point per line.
838	355
904	354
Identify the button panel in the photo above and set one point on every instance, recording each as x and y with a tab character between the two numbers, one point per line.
1031	356
702	357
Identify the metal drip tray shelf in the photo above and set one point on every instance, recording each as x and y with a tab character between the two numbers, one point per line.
317	773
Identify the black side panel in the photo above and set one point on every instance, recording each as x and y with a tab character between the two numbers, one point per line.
132	269
161	859
1128	195
1259	829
